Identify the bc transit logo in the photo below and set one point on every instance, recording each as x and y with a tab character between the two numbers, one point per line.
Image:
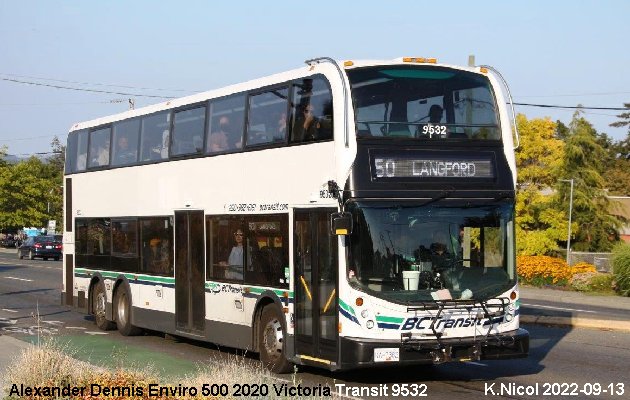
419	323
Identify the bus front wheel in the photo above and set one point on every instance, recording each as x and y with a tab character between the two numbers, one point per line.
99	301
122	307
271	339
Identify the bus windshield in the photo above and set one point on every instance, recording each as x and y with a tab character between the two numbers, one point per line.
423	102
440	251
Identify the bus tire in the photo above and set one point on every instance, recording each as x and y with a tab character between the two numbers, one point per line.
122	311
99	303
271	340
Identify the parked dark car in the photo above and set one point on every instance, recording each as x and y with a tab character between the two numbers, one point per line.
7	242
45	246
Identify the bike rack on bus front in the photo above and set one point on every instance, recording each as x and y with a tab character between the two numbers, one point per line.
441	349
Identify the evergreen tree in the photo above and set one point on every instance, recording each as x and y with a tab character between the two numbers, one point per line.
625	118
584	161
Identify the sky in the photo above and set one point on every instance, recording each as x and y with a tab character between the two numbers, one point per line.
550	52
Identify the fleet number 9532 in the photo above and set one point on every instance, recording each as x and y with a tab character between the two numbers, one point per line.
438	130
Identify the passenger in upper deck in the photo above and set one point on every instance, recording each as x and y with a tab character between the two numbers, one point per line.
122	153
306	126
435	114
218	140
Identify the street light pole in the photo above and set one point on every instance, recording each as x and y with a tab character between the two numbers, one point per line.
570	213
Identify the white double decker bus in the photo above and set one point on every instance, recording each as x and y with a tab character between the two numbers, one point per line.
340	215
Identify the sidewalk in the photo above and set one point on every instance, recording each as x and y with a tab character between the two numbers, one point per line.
11	348
569	298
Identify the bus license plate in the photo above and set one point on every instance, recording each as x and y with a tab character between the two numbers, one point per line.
386	355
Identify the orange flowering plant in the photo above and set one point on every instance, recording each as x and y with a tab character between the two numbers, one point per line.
545	270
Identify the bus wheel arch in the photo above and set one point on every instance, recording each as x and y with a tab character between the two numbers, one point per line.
270	334
122	306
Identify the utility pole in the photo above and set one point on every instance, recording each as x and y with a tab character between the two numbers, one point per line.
570	213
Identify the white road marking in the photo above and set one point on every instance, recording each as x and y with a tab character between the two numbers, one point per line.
96	333
56	323
7	310
558	308
76	327
18	279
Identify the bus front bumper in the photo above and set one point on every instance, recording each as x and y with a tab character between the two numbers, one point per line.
356	353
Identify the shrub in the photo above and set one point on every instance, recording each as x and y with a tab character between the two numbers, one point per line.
602	283
592	282
621	268
543	270
582	281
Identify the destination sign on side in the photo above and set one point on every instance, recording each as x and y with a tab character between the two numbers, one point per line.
432	168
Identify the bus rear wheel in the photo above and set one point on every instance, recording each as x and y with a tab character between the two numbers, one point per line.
271	338
99	301
122	309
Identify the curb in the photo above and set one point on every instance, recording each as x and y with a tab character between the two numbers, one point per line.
577	322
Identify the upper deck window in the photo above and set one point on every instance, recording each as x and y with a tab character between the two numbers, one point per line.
99	148
267	117
226	120
154	136
188	131
312	118
125	146
422	102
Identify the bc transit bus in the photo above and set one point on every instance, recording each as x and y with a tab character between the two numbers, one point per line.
341	215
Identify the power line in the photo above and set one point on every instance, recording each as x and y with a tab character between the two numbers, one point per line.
579	94
85	90
27	138
171	97
95	84
571	107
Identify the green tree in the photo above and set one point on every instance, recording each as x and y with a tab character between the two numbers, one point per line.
624	117
30	191
540	222
585	159
23	190
617	173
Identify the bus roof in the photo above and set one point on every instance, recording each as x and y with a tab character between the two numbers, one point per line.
253	84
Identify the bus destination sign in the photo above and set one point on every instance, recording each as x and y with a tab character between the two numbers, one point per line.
425	167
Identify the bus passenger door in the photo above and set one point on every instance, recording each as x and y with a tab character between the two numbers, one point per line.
190	314
315	258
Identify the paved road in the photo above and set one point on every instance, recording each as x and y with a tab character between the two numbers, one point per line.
557	355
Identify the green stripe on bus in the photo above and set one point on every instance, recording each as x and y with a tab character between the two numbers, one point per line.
346	307
162	279
107	274
382	318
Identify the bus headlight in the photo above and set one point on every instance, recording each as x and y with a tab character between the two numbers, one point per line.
369	324
364	313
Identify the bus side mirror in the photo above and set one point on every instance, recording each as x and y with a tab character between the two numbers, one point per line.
341	223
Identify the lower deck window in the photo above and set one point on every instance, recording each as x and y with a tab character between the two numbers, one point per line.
251	249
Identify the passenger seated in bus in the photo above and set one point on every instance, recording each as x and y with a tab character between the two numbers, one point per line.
306	125
281	130
435	114
123	154
234	263
100	155
218	140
